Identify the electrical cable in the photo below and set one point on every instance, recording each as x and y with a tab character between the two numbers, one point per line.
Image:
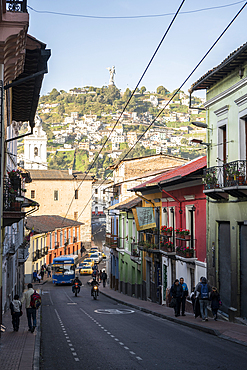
132	16
194	69
127	103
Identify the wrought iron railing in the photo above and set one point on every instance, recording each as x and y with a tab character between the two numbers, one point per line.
228	175
16	6
46	249
135	252
112	241
11	190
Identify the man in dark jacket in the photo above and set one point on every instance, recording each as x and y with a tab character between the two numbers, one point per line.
185	294
177	293
203	290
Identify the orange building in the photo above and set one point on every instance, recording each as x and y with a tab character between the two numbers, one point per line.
53	236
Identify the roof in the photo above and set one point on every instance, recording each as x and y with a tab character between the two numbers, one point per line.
58	175
25	95
126	204
44	224
114	166
229	64
175	174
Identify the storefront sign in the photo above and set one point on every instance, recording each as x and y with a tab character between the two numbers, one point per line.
144	218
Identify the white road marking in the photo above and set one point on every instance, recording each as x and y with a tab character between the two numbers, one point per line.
77	359
126	347
121	343
133	353
139	358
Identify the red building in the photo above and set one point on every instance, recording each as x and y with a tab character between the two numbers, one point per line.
179	203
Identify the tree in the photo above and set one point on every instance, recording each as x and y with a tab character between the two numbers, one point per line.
143	89
162	90
126	94
54	94
61	109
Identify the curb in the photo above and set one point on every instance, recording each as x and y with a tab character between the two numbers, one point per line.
177	321
36	355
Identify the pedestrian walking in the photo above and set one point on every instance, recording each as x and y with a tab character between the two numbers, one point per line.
49	271
104	277
100	275
177	293
34	276
38	278
16	312
215	302
193	299
204	290
42	272
31	312
185	294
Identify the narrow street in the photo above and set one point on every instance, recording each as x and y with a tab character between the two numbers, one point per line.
81	333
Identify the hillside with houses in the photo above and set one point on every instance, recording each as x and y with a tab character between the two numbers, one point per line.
79	121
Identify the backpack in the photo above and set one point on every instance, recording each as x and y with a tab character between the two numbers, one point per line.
94	273
204	291
35	300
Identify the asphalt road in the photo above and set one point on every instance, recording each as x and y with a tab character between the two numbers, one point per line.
81	333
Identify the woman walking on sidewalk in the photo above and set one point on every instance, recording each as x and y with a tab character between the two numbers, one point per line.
215	302
15	307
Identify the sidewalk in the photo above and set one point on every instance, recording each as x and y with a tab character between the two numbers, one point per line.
230	331
20	350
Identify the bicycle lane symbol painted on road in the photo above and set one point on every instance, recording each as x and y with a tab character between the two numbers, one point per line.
111	311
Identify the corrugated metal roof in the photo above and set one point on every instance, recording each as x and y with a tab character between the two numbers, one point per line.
44	224
175	174
58	175
229	64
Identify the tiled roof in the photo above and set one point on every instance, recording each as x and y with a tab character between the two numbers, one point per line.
126	204
176	173
229	64
44	224
58	175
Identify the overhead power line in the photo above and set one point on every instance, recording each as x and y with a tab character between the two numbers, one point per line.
191	73
132	94
131	16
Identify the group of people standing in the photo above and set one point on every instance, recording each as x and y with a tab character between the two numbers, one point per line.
99	275
39	275
201	296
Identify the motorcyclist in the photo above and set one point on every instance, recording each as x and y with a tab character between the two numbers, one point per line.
76	280
93	283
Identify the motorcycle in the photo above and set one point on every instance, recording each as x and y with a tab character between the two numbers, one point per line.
95	291
76	289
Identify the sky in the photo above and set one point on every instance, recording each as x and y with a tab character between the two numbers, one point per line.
83	48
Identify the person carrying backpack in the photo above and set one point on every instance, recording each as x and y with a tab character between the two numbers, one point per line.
204	290
15	307
32	302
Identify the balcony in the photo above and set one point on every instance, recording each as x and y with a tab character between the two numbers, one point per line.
56	245
135	253
46	249
225	180
22	255
75	239
112	241
16	6
12	201
34	257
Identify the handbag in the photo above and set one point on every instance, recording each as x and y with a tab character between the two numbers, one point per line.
173	302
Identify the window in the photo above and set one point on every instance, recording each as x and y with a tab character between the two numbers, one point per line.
61	238
103	191
36	152
222	139
75	216
32	194
76	194
96	200
50	240
55	194
96	191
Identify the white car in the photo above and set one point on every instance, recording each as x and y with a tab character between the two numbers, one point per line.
95	257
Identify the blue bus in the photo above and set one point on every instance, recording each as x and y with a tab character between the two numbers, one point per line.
63	269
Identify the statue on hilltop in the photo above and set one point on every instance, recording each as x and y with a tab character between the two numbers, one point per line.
112	73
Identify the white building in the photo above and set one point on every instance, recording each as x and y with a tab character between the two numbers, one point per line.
35	148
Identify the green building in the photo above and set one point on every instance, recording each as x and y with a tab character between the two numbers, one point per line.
226	179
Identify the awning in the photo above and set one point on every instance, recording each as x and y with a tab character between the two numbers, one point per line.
29	203
26	87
